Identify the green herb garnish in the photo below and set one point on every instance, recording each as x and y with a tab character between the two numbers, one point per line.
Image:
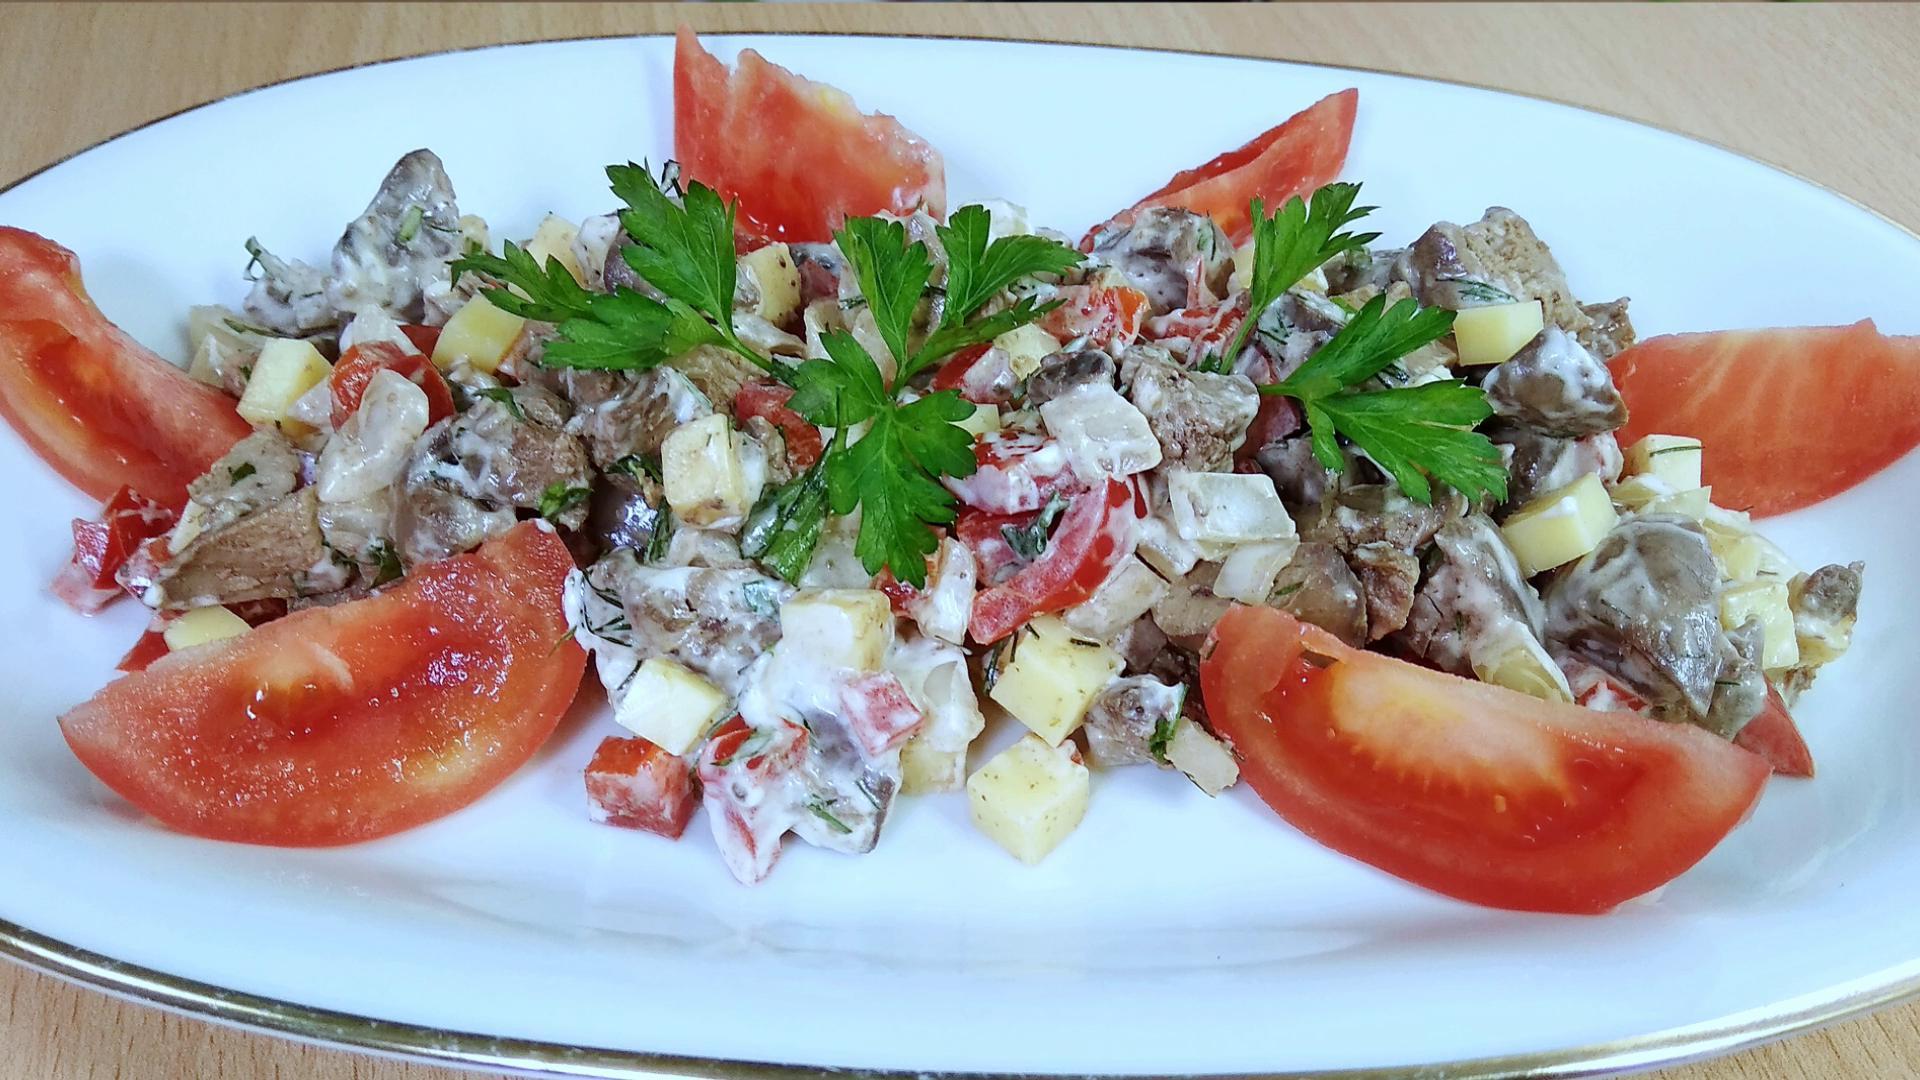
388	561
560	497
505	397
1289	245
240	472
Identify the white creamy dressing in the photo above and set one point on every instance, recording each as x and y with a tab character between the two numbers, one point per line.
944	607
370	450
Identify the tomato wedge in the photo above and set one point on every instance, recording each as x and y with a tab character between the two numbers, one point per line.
356	369
1295	158
340	724
1777	739
798	155
1097	530
1788	417
94	404
1468	789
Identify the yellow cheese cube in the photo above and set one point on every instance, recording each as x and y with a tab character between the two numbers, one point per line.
1030	797
1674	459
1025	347
554	240
201	625
1492	333
985	418
285	370
1560	526
1207	761
480	334
1511	656
770	276
850	628
1751	557
1691	503
926	769
668	705
1768	600
706	476
1048	676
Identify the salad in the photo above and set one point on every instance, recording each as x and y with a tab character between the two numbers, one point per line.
822	479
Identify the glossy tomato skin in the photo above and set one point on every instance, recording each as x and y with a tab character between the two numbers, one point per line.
1470	790
358	366
1103	317
799	155
101	410
634	784
1788	417
340	724
1297	157
88	583
769	401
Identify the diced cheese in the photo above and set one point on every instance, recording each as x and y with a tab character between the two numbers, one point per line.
1102	433
1030	797
286	369
1637	491
925	768
554	240
479	334
1165	549
1248	573
1766	599
1026	346
668	705
1049	675
1512	657
1227	508
1492	333
775	282
1004	218
850	628
1206	760
201	625
1691	503
1674	459
985	418
1751	557
1560	526
1129	592
706	475
1241	280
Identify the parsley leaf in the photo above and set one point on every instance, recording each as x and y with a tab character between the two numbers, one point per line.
948	340
1289	245
505	397
1417	432
1370	342
685	250
240	472
892	274
388	561
622	330
977	271
559	498
893	472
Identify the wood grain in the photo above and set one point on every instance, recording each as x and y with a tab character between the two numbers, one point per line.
1824	91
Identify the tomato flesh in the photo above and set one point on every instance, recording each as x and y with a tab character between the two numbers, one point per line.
358	366
89	582
634	784
1295	158
1787	417
769	402
93	403
1100	317
1097	530
798	155
1468	789
1777	739
345	723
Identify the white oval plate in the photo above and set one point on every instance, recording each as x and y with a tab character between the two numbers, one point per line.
1170	934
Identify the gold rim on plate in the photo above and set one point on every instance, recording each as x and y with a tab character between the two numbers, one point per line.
147	986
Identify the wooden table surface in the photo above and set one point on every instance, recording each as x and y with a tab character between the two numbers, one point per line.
1823	91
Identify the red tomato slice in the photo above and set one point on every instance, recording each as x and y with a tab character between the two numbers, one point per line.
150	646
1016	472
356	369
94	404
345	723
985	536
980	373
1105	318
1096	531
1295	158
1788	417
1468	789
1775	737
798	155
769	401
424	338
88	583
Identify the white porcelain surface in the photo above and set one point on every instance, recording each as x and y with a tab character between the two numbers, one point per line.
1170	933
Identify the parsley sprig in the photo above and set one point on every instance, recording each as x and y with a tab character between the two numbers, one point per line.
1288	246
1416	433
892	474
683	249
